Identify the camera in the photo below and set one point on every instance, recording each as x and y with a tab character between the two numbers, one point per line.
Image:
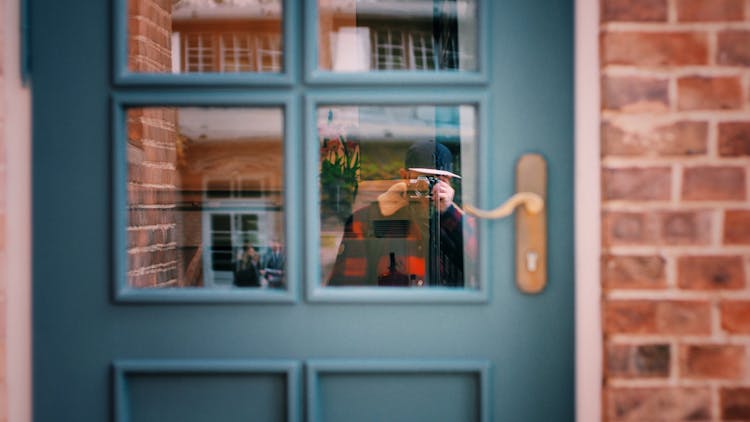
421	187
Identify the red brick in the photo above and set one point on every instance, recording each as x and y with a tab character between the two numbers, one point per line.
634	94
657	317
713	183
715	361
685	227
654	48
630	317
735	403
634	10
658	404
709	93
709	10
656	228
638	361
734	139
637	184
683	138
633	272
735	316
734	48
683	317
628	228
737	227
710	272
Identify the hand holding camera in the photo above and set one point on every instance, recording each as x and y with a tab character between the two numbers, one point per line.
432	187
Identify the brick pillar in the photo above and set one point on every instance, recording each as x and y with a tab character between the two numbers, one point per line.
149	35
152	187
676	209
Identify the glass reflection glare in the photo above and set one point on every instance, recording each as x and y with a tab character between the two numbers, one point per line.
392	181
199	36
403	35
205	197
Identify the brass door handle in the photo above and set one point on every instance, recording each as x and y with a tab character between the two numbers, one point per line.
531	222
530	200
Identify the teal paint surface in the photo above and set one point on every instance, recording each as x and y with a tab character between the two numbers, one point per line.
84	321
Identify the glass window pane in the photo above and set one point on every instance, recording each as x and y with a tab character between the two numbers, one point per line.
408	35
392	183
202	36
205	197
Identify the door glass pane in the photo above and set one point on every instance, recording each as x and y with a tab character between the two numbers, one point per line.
199	36
392	183
402	35
205	197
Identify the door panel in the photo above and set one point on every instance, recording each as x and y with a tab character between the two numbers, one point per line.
105	346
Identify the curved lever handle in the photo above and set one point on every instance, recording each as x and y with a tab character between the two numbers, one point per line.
532	201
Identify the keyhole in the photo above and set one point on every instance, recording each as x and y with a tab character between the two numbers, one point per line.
532	259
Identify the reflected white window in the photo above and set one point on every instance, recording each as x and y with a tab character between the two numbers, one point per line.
199	36
375	35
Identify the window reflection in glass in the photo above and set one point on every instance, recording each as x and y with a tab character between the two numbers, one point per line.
392	183
404	35
205	197
199	36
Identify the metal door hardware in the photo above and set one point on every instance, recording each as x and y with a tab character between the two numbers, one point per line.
531	222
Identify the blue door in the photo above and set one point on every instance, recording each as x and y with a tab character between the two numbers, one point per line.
271	210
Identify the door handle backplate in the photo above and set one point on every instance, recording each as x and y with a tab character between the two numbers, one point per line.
531	222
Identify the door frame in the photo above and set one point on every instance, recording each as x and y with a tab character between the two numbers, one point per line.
17	273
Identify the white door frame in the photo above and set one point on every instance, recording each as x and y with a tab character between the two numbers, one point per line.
587	213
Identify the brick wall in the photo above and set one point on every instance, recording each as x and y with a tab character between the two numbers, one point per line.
153	260
676	209
149	35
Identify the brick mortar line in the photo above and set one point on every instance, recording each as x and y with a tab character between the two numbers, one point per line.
728	340
715	403
689	162
153	143
153	248
671	12
670	254
720	115
664	205
672	27
155	186
670	270
712	149
152	269
157	207
665	72
151	227
155	121
676	170
716	331
678	383
669	250
678	295
717	228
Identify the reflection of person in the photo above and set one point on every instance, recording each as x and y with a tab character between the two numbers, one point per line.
413	234
246	268
272	264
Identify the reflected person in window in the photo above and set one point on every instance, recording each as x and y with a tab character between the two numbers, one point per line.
246	268
413	234
272	264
